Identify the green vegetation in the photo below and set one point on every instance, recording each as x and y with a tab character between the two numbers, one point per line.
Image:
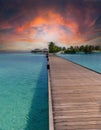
88	49
53	48
70	50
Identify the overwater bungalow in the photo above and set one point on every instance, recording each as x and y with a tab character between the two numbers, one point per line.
45	50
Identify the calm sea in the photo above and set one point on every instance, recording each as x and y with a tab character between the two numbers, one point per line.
92	61
23	92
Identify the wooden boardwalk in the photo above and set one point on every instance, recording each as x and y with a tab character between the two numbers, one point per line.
76	96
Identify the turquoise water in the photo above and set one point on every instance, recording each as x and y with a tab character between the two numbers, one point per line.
23	92
91	61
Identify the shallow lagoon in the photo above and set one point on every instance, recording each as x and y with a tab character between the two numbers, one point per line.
91	61
23	92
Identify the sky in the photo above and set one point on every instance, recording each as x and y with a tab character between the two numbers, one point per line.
29	24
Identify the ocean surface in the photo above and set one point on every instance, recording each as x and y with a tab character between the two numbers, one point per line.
23	92
91	61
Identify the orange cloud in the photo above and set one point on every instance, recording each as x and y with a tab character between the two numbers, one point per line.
50	18
45	27
51	24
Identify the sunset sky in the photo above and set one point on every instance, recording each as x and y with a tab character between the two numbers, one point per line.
29	24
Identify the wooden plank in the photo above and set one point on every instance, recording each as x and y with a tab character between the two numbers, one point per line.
51	124
76	96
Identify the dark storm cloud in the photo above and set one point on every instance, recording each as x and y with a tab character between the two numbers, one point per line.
10	30
27	9
78	18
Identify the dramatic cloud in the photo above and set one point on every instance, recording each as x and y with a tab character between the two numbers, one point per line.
33	23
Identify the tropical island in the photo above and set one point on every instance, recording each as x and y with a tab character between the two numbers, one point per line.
53	48
87	49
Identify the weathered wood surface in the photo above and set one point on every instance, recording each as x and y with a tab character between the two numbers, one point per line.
51	124
76	96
